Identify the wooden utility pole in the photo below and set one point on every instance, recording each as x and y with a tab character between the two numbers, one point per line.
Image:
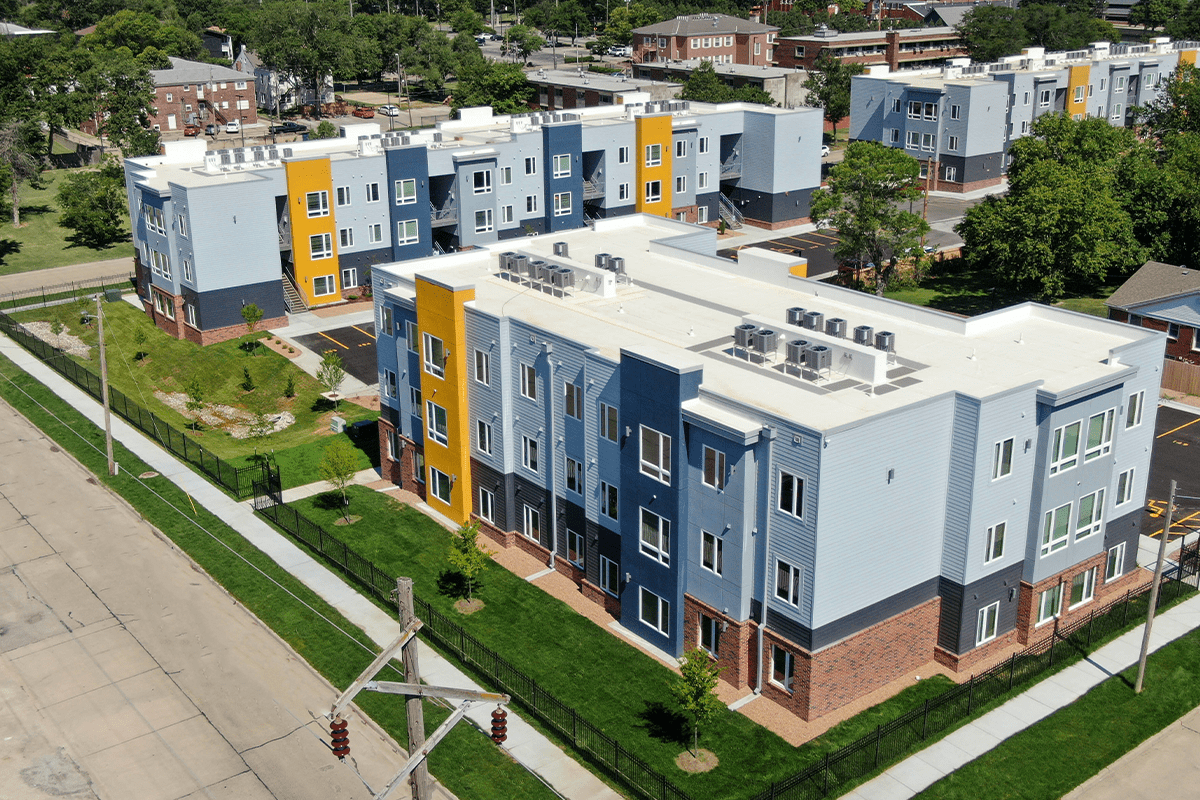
1158	571
419	779
108	445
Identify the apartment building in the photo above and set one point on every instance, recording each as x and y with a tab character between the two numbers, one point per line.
559	89
199	93
822	488
299	225
719	38
962	118
908	48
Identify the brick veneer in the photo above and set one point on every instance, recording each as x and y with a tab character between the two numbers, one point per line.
1029	631
1180	349
961	662
774	226
734	651
181	330
401	471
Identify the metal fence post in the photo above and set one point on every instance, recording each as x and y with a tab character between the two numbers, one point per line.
825	772
1125	610
925	721
1012	669
1091	619
878	734
970	694
1053	641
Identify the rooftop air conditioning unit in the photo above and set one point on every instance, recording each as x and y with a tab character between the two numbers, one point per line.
763	340
560	249
814	320
885	341
616	264
818	357
742	333
836	327
795	316
506	258
864	335
795	351
437	136
519	264
563	277
602	260
537	269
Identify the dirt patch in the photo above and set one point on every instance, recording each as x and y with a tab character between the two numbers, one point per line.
280	347
343	521
367	401
237	422
468	606
703	761
728	234
67	342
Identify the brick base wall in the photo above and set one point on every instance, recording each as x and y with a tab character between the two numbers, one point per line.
734	649
963	188
400	471
1028	629
215	335
689	213
967	661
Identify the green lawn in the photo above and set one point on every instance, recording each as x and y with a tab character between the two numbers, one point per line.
170	365
1065	749
575	660
40	243
466	761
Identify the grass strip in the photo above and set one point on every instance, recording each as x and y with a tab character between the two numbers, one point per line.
467	763
1062	751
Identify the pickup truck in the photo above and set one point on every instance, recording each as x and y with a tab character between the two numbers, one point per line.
366	112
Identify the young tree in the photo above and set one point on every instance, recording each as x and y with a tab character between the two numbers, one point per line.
519	42
195	401
93	204
252	315
331	373
828	84
339	464
325	130
468	556
696	690
867	202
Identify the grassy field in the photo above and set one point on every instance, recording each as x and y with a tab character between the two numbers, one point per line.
1065	749
169	365
466	761
576	661
40	243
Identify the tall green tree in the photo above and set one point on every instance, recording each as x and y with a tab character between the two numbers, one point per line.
704	85
1177	107
866	201
696	691
139	30
312	40
828	85
991	32
504	87
20	160
93	204
1154	14
1156	186
520	42
124	95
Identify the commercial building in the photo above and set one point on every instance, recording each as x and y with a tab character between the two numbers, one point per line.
786	86
962	118
559	89
719	38
298	225
908	48
822	488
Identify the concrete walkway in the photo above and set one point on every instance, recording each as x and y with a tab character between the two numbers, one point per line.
525	744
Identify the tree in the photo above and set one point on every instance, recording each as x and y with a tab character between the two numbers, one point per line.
1153	14
252	315
828	83
467	22
569	18
20	148
195	401
139	341
504	87
124	94
325	130
468	556
696	690
519	42
339	464
705	86
94	205
310	40
1155	186
866	202
331	373
139	30
990	32
1176	109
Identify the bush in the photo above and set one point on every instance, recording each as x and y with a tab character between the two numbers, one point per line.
247	381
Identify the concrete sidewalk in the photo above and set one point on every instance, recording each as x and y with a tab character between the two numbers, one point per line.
525	744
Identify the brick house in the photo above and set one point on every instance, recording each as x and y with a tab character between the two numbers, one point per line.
719	38
199	93
911	47
1163	297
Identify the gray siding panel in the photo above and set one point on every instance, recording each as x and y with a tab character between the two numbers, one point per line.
963	448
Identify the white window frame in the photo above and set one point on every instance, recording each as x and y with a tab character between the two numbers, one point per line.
912	140
483	368
661	611
1114	564
505	176
529	453
658	468
406	191
439	484
1105	421
653	155
1056	528
576	552
483	436
994	544
622	155
623	191
610	419
375	233
708	637
610	500
1050	604
610	576
703	145
434	364
437	423
481	181
562	204
1095	519
529	388
1086	583
1124	488
701	180
654	535
391	385
952	144
713	468
372	190
317	203
681	148
506	215
411	335
1134	407
562	166
320	246
712	552
680	184
531	523
788	582
1002	458
349	277
531	204
795	486
1060	459
530	165
407	232
574	474
653	191
484	224
487	505
986	623
346	238
783	668
572	400
329	282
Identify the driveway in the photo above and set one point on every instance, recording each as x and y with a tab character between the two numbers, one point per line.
354	344
1176	432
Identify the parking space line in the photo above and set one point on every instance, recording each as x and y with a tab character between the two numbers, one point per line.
335	341
364	333
1181	427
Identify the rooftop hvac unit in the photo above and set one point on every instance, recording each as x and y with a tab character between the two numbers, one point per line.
836	327
795	316
560	249
437	136
563	278
741	334
506	260
519	264
818	356
602	260
885	341
763	340
617	264
814	320
538	269
864	335
795	351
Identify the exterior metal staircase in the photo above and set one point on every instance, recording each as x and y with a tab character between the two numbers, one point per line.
292	297
729	212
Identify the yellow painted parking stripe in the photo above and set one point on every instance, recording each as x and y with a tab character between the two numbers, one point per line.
1181	427
1175	522
364	333
335	341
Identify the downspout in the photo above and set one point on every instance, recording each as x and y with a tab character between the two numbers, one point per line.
548	349
769	435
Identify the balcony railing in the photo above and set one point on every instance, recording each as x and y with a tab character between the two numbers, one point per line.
592	189
444	215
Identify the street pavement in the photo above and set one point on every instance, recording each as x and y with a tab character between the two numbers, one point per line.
22	281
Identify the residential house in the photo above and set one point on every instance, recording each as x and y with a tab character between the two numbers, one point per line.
1162	297
719	38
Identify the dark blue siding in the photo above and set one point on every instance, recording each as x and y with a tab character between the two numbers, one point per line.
410	162
559	140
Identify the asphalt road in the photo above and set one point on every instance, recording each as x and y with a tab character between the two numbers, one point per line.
355	344
1176	433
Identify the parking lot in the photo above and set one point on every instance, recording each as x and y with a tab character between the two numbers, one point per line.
817	247
354	344
1176	433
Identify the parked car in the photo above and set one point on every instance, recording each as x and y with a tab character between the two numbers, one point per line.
233	126
211	129
824	150
389	110
481	40
620	50
364	112
289	127
191	130
495	37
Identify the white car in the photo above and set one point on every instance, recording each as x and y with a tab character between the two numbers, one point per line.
824	150
233	126
388	111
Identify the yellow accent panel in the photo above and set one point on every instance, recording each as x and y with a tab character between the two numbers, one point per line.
1078	76
312	175
654	130
1187	57
440	314
800	270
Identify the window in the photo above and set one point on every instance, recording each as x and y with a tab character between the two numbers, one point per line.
506	214
562	166
1133	410
439	484
1079	94
182	223
623	191
528	382
703	144
1099	437
954	112
653	155
757	48
1049	604
791	494
656	537
372	192
349	277
575	551
320	246
434	353
1055	529
1172	331
710	634
950	173
1044	98
1027	98
187	271
654	611
562	204
573	400
894	137
622	155
608	422
375	233
656	455
481	181
931	110
1118	110
483	220
529	453
533	523
410	334
531	203
170	97
608	500
702	216
610	576
343	196
994	548
505	176
928	142
318	204
1115	566
406	232
435	422
392	386
406	191
787	583
711	553
1024	127
1083	587
701	180
912	140
487	505
653	191
483	368
1089	518
531	166
985	623
714	468
895	105
574	475
681	183
681	148
1066	448
189	315
483	437
782	666
346	237
952	143
1124	488
164	305
324	285
914	109
414	399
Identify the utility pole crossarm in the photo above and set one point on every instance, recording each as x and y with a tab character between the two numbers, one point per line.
384	656
447	692
418	757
